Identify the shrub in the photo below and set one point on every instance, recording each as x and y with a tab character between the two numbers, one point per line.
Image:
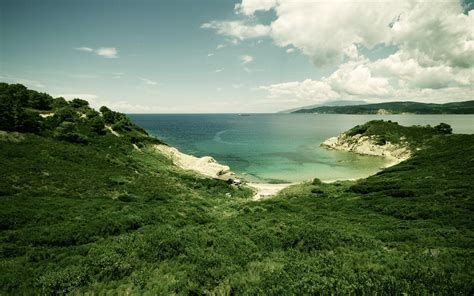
63	281
79	103
40	101
67	131
444	128
97	125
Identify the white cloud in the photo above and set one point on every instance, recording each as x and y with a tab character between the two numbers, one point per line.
434	44
148	81
86	49
249	7
210	54
355	78
106	52
220	46
218	70
325	30
238	29
246	59
395	78
443	36
313	90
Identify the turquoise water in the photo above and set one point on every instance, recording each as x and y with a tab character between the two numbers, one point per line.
279	147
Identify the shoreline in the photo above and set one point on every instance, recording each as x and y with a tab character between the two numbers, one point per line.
207	166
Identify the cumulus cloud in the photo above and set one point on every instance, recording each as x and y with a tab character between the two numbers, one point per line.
106	52
444	35
246	59
249	7
434	44
325	30
395	78
237	29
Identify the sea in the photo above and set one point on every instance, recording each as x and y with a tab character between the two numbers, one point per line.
280	148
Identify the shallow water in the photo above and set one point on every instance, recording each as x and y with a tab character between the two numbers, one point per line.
279	147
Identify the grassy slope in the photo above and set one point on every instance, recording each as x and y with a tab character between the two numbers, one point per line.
103	217
396	108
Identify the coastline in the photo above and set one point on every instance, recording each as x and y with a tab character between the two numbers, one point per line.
207	166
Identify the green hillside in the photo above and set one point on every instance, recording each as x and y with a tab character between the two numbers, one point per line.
84	211
396	108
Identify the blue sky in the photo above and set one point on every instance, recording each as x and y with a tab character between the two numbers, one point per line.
187	56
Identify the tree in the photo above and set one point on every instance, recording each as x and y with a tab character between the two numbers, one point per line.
444	128
79	103
40	101
68	131
97	125
59	103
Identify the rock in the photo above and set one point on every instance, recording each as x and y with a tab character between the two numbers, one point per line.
368	146
205	165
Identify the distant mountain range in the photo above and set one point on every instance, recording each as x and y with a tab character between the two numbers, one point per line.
331	104
466	107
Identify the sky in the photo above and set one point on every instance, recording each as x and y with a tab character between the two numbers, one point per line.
234	56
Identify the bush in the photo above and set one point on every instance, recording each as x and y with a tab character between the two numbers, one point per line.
444	128
40	101
67	131
63	281
97	125
79	103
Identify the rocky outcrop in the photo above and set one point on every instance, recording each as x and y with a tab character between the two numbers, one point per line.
206	165
367	145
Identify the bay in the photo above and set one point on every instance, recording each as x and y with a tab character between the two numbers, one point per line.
279	148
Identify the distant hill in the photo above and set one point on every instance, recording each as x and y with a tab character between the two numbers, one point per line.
466	107
330	103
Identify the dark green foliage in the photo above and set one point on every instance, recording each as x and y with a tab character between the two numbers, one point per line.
40	101
444	128
68	131
104	218
79	103
388	131
396	108
59	103
97	125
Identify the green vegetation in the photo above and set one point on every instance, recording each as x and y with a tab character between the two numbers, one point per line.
396	108
82	211
389	131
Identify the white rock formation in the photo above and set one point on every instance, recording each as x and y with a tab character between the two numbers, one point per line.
206	165
368	146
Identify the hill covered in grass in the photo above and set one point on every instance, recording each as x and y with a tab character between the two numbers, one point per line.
90	213
466	107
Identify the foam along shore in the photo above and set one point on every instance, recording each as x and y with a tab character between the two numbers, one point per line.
209	167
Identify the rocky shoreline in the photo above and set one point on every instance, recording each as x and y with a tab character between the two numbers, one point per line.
368	145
